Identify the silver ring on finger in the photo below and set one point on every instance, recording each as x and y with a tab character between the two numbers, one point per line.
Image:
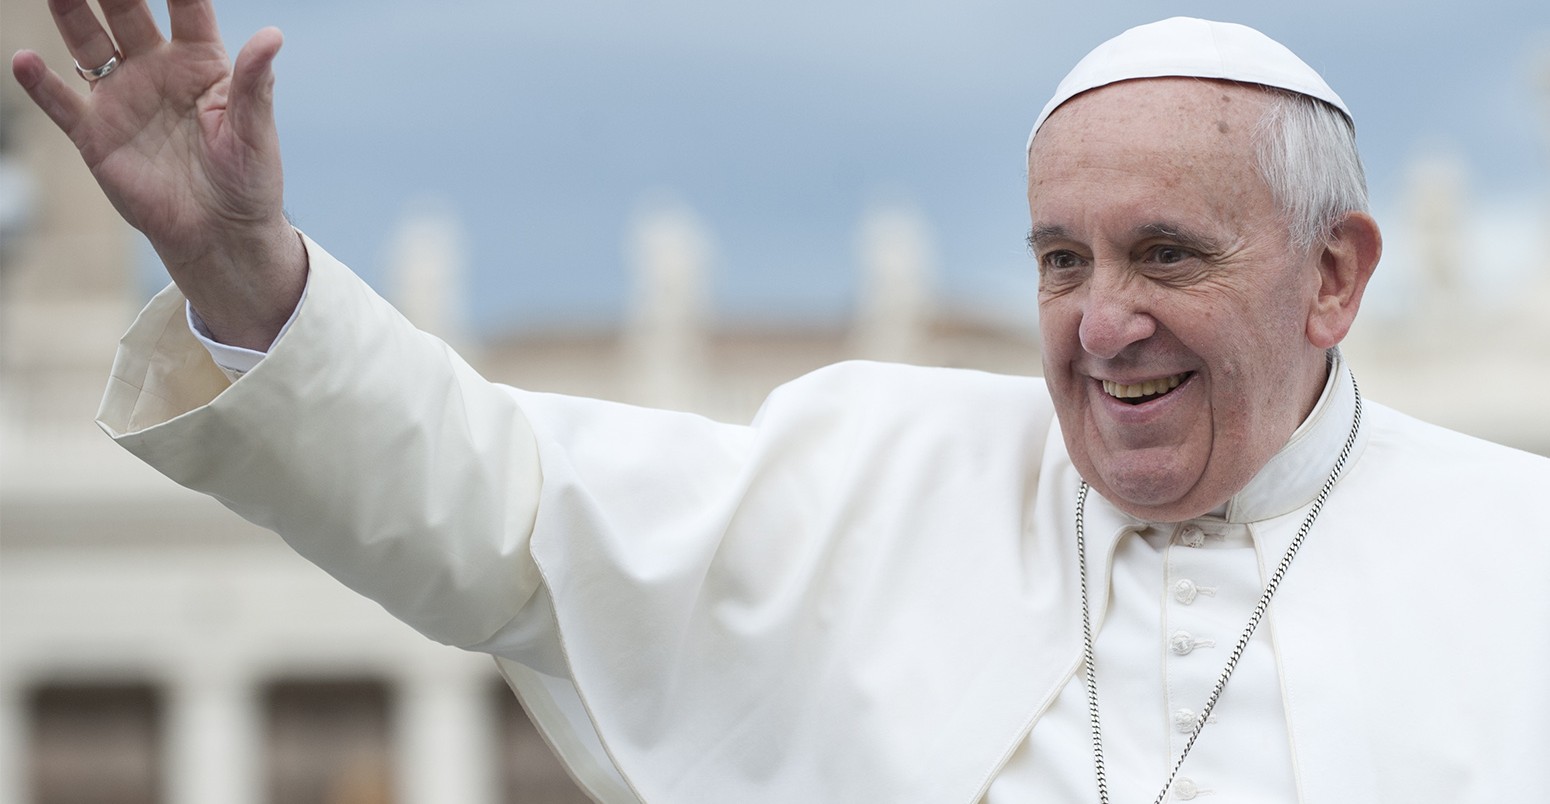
95	74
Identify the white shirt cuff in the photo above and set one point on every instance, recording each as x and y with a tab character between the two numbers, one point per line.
234	361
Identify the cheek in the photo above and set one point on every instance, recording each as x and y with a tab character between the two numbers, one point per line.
1250	336
1255	383
1060	318
1058	338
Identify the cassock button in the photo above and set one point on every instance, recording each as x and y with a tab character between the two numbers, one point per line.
1191	536
1184	720
1183	643
1185	789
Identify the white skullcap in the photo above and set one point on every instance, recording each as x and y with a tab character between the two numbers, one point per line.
1191	48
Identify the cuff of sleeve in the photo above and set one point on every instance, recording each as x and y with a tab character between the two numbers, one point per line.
233	361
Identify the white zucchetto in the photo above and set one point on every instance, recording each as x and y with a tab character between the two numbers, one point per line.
1192	48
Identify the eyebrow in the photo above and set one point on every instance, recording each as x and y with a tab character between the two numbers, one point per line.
1044	234
1183	235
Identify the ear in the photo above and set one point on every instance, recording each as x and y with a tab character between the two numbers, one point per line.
1345	263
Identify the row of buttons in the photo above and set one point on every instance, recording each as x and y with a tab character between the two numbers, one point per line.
1183	643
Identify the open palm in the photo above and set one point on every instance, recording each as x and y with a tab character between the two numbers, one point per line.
183	145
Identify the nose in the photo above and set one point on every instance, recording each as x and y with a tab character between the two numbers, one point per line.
1114	315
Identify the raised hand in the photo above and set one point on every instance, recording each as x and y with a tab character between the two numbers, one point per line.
185	147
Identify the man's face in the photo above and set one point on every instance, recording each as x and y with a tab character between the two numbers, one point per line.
1173	310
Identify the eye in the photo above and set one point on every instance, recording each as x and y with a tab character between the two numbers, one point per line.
1169	255
1060	261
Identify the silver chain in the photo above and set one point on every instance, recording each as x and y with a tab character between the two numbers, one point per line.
1243	641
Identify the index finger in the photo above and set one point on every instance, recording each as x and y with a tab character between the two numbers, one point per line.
61	103
193	21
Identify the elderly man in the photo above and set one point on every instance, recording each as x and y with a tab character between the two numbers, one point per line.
897	584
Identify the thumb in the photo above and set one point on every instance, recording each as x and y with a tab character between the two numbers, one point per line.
251	105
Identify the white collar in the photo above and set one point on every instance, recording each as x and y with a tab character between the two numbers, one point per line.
1294	475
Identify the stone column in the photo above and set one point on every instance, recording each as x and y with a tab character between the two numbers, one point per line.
669	252
894	305
445	732
214	739
14	773
427	273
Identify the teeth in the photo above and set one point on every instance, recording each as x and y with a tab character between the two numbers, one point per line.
1146	388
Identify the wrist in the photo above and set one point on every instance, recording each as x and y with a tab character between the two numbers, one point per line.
247	289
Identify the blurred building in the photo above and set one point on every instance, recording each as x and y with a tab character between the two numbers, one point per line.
1454	355
153	648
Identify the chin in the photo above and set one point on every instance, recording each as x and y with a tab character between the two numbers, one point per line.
1157	484
1155	496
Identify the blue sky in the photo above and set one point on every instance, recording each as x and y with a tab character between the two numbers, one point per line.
543	124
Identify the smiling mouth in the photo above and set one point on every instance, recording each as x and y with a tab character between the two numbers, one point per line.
1144	391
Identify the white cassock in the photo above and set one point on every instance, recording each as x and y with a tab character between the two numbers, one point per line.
870	593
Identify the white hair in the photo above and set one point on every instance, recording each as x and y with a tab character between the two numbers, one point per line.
1306	153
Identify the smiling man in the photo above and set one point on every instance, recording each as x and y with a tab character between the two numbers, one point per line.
1192	561
1185	328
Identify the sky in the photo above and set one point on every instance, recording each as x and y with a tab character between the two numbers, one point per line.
543	125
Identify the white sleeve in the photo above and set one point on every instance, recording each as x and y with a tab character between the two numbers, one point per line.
233	361
377	454
368	445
